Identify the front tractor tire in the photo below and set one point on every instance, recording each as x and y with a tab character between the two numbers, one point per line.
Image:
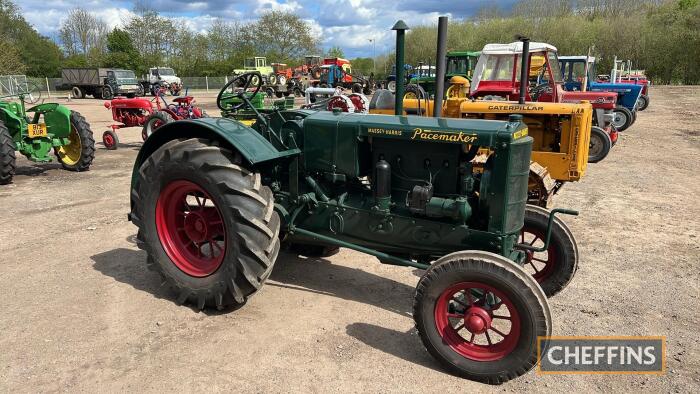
599	146
622	118
480	314
206	222
554	268
642	103
7	155
80	152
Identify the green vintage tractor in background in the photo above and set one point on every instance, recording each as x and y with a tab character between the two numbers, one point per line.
214	200
42	131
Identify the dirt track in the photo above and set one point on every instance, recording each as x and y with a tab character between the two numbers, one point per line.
81	312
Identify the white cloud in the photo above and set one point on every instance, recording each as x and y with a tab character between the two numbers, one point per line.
265	5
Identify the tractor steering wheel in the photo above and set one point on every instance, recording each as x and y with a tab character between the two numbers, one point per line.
536	91
239	89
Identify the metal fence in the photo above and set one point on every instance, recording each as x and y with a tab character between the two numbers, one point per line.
11	84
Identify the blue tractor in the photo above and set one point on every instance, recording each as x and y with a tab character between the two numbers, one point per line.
391	79
580	69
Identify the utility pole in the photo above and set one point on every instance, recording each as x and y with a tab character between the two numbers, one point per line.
374	55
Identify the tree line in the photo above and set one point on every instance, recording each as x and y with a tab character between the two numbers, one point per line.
149	39
661	36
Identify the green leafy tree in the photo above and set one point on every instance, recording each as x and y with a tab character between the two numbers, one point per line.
121	52
281	36
11	59
40	56
335	51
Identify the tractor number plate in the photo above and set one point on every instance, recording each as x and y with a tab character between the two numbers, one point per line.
37	130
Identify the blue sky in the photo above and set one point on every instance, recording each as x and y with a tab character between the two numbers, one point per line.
350	24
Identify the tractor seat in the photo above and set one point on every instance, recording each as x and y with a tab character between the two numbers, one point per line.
186	100
382	99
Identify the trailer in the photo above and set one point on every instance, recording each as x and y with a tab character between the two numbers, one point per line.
100	83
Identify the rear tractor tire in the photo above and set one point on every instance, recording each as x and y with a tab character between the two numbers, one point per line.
80	152
8	159
554	268
207	224
153	122
480	315
599	146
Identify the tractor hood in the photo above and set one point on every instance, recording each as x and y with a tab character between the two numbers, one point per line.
601	100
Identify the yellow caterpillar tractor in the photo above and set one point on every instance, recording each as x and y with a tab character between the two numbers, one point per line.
561	131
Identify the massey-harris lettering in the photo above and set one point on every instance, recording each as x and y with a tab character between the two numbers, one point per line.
373	130
432	135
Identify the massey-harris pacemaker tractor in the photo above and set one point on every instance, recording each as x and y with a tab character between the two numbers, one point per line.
41	130
214	200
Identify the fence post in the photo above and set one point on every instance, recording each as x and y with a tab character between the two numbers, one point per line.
48	90
206	80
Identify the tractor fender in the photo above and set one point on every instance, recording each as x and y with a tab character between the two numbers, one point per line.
248	142
56	117
229	133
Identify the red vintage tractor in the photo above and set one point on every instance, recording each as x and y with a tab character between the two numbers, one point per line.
281	74
149	114
497	77
311	68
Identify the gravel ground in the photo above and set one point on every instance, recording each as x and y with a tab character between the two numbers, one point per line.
82	313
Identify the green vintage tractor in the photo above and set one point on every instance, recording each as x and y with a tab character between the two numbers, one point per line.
214	201
39	132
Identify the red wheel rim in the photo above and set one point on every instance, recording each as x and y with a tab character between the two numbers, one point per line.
191	228
108	140
540	264
339	103
357	102
477	321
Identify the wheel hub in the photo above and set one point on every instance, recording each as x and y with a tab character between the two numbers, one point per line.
196	227
477	320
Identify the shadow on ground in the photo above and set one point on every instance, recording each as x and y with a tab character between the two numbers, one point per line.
318	275
36	169
301	274
291	271
404	345
129	266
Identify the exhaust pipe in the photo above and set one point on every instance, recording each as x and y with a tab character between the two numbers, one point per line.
440	66
400	28
524	69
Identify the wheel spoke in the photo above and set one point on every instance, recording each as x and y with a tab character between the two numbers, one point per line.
459	327
460	302
534	240
533	266
498	332
540	260
488	338
455	315
471	340
216	243
500	317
